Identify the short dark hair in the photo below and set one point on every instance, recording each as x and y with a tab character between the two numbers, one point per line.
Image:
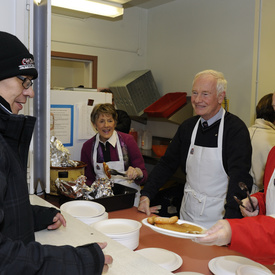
264	108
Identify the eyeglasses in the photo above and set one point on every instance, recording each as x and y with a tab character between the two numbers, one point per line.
27	83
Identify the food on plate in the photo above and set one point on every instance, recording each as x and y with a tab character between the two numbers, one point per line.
106	170
171	224
184	227
151	220
160	220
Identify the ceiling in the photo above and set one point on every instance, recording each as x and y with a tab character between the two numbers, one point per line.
146	4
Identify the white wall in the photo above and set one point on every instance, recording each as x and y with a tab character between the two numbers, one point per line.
267	52
178	39
15	19
119	44
185	37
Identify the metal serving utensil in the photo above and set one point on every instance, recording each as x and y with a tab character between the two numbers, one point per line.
240	203
244	187
115	173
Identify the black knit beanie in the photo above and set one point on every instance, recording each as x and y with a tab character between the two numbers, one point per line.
15	58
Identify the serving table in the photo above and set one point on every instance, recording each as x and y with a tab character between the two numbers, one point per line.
195	256
77	233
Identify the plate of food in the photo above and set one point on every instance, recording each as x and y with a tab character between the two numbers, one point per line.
175	227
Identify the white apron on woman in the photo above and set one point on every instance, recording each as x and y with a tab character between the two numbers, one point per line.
206	182
117	165
270	196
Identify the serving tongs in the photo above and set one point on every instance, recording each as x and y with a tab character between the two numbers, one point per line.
240	203
115	173
244	188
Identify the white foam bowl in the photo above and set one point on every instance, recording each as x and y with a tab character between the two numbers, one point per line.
92	220
124	231
86	211
83	209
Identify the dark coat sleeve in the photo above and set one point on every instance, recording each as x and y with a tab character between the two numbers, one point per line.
237	151
43	216
174	157
34	258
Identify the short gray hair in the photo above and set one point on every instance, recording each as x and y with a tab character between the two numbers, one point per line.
105	108
221	81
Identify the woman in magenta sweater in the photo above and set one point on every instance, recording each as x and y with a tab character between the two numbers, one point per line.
118	150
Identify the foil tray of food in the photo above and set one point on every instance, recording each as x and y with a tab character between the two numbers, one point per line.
122	197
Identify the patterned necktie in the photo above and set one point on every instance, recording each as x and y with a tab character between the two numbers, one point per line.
205	124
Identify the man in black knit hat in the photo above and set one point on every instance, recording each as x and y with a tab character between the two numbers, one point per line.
19	253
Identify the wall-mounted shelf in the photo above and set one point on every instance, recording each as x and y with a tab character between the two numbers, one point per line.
181	114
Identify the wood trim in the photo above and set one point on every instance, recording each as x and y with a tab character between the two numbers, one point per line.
72	56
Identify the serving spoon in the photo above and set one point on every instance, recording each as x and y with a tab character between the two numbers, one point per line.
244	188
115	173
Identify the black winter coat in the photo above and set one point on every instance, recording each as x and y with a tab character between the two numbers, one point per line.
19	253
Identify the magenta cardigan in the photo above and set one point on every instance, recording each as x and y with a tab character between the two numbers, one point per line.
131	156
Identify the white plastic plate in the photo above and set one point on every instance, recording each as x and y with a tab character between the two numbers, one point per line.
164	258
227	265
175	233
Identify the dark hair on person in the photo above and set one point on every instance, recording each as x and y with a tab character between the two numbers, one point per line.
264	108
106	108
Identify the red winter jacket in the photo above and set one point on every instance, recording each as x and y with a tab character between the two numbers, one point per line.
254	237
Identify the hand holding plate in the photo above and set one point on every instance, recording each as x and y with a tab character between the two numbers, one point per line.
219	234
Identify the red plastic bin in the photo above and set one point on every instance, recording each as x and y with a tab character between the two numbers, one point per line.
166	105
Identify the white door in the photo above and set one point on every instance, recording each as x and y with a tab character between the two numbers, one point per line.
16	17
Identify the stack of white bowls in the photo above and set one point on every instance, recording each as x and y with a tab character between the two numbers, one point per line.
124	231
88	212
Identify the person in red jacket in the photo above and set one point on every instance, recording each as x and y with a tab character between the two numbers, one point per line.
254	235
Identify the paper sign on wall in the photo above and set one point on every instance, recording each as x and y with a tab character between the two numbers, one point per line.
85	128
62	126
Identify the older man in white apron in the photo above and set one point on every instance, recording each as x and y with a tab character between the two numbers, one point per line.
206	182
214	157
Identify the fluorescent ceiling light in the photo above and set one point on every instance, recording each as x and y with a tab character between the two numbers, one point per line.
95	7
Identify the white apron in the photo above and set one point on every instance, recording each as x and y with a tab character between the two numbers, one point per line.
206	182
270	196
117	165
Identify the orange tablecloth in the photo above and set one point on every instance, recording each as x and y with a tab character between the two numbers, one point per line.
195	256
